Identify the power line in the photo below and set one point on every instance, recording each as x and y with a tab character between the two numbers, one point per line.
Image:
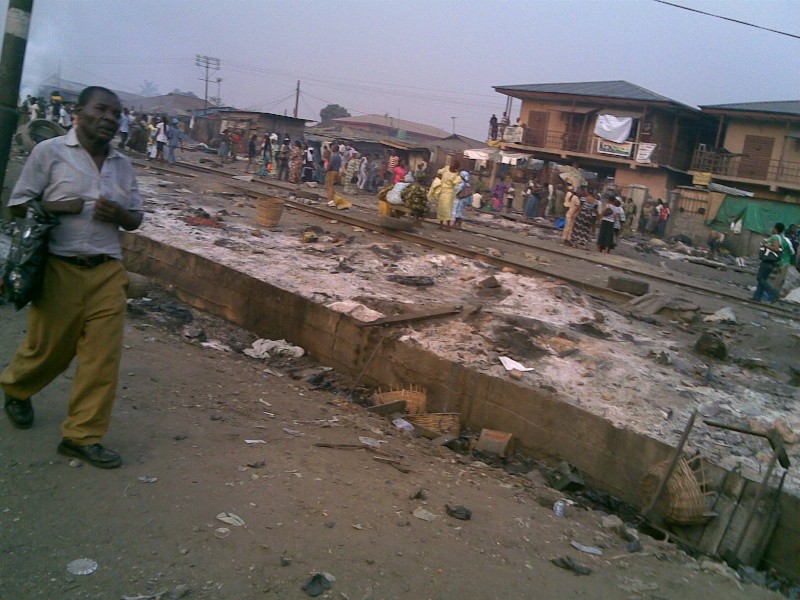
792	35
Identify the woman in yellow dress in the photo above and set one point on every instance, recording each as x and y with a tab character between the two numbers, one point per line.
450	178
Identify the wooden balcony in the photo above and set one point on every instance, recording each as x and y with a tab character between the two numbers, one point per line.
744	168
576	145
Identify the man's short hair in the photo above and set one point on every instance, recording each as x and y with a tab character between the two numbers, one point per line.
779	227
90	91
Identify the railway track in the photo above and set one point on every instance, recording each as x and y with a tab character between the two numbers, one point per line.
700	288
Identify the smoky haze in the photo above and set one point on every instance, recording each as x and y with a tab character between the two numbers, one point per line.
425	61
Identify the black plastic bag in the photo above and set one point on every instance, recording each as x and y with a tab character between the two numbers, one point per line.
23	271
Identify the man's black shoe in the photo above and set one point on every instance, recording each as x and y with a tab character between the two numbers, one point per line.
95	454
20	412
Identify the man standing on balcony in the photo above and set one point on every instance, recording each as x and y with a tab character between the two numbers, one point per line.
493	127
504	122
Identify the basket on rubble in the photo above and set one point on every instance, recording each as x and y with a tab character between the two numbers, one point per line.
414	396
683	500
269	211
439	422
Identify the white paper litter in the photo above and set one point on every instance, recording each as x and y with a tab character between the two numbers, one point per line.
253	442
215	345
263	349
511	365
230	519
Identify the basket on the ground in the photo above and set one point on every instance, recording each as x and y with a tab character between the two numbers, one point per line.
415	398
269	211
683	500
439	422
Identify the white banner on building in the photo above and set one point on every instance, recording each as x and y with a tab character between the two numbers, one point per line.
613	129
644	153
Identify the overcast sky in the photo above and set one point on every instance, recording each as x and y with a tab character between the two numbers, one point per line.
422	60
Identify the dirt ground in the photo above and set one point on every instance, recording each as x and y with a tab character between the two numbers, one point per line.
181	422
183	416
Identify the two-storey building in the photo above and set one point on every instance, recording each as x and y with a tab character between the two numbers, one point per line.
613	128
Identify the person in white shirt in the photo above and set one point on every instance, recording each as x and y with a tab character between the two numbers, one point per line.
33	109
65	117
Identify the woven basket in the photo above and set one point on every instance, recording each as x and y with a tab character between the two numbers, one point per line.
683	500
269	211
441	422
415	397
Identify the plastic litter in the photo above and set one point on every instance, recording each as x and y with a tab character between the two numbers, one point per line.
587	549
230	519
318	584
82	566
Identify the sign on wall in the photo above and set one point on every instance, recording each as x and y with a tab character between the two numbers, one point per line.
605	147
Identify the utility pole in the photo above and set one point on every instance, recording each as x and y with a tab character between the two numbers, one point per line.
208	63
296	98
454	124
219	92
18	21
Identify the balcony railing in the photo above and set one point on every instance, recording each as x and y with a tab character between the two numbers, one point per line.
741	166
560	142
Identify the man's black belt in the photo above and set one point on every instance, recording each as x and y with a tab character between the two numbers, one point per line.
85	262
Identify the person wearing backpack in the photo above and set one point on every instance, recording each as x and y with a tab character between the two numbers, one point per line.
775	254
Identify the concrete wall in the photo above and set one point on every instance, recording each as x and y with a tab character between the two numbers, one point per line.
656	181
611	459
737	130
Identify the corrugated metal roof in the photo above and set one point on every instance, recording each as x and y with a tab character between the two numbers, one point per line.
393	123
608	89
784	107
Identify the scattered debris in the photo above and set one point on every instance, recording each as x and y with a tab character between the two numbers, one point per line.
566	477
458	512
586	549
497	443
424	515
263	349
356	310
230	519
82	566
318	584
511	365
559	508
145	479
565	562
636	586
412	280
489	282
254	442
724	316
712	344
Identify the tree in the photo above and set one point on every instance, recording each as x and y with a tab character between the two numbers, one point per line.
214	101
332	111
148	88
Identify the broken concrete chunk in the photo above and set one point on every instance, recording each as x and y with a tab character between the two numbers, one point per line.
497	443
628	285
489	282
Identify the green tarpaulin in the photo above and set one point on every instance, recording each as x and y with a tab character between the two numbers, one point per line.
756	215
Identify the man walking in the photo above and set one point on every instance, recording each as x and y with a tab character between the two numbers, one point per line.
124	128
332	174
174	139
80	311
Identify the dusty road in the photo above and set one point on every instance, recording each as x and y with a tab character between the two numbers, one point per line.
181	421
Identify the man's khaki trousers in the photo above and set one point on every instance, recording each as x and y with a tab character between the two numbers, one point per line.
80	312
